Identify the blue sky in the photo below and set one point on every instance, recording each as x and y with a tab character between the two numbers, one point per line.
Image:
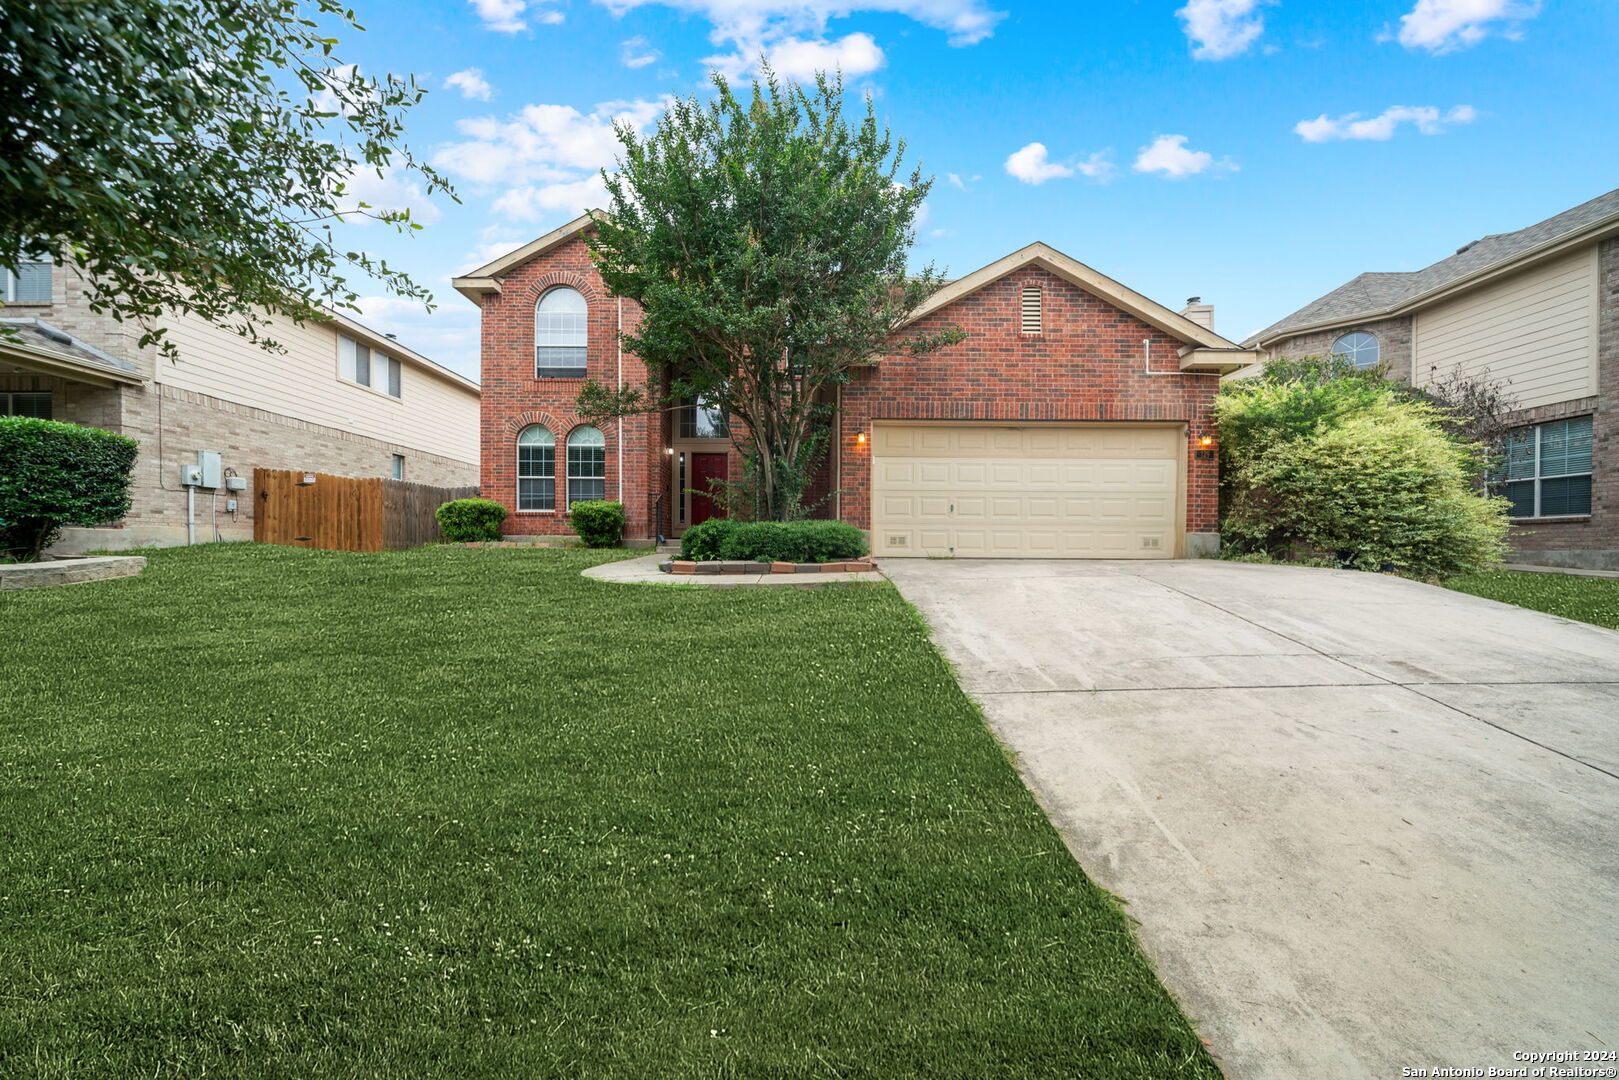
1256	154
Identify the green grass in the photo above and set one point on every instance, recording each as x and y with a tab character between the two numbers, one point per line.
274	813
1587	599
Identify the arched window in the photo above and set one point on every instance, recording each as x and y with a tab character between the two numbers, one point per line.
560	335
1359	348
536	468
587	465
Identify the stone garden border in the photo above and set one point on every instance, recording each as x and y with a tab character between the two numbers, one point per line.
69	570
723	566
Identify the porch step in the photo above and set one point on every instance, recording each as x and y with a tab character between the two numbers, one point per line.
667	548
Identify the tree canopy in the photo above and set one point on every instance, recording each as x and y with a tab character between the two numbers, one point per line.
195	154
766	238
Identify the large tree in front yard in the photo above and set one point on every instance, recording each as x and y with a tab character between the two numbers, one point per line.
765	237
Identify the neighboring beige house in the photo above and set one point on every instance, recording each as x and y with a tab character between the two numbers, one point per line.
342	399
1537	309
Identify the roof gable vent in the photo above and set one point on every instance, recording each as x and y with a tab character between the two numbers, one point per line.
1031	309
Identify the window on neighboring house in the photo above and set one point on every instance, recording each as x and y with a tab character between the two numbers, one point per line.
1031	309
30	283
536	469
560	335
1548	469
587	465
702	421
358	363
399	467
1361	349
34	403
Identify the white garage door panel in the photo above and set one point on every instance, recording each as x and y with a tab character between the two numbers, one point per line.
1011	492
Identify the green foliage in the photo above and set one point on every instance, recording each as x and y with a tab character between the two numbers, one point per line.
765	239
54	474
1292	399
766	541
1381	487
600	524
469	521
194	156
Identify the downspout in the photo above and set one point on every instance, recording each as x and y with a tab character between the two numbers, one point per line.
619	338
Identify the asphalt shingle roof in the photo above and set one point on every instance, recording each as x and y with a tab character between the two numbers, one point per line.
1376	293
42	335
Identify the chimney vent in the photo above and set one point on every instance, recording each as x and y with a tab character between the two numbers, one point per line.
1199	312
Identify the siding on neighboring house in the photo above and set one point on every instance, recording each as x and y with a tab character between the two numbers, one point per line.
432	414
1535	330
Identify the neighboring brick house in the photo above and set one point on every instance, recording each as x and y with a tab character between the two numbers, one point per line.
1536	309
342	399
1072	422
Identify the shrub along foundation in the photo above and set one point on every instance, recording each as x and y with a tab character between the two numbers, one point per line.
731	566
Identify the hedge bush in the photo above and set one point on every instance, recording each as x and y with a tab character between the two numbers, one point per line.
599	524
54	474
766	541
470	521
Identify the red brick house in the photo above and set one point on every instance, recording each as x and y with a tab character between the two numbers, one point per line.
1073	422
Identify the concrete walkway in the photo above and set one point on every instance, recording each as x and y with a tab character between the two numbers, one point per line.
1366	824
644	571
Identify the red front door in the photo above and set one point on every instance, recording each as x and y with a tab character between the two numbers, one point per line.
706	467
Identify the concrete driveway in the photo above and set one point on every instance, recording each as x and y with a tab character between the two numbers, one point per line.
1365	824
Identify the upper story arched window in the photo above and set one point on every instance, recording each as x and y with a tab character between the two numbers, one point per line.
1360	348
561	333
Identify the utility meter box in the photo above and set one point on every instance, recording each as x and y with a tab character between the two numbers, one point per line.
235	483
212	468
190	475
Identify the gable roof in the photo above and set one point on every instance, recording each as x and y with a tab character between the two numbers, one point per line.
1078	274
1381	294
35	343
486	279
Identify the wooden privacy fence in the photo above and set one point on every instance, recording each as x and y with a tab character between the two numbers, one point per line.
343	513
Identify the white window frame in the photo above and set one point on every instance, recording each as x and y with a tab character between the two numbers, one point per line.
397	466
8	402
1353	355
578	440
581	332
538	475
1538	477
9	281
377	367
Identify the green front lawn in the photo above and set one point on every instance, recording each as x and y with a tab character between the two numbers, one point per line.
274	813
1592	600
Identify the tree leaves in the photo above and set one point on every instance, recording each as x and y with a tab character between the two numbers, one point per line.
189	154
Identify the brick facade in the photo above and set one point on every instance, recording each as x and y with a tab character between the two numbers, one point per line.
1088	365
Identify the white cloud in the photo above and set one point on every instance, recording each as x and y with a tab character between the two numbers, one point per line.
1168	155
1221	29
1032	165
751	28
543	158
511	16
366	193
960	182
1442	26
637	52
801	58
472	84
1425	118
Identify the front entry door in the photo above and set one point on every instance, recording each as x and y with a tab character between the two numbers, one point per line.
706	467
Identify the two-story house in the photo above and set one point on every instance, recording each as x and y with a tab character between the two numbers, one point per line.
341	399
1073	422
1538	311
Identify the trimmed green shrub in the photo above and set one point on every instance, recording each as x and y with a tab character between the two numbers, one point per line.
54	474
469	521
1381	488
599	524
766	541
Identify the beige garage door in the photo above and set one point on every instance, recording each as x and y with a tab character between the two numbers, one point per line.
1092	492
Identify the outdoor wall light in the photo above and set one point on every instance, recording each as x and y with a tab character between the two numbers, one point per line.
1206	441
669	450
861	438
